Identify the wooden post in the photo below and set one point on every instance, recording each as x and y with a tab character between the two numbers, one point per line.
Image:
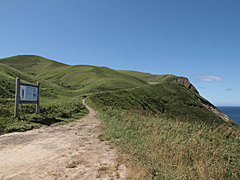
38	99
17	96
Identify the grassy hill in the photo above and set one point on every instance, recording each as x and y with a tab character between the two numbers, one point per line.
62	88
136	90
54	106
8	79
34	65
162	128
83	78
163	132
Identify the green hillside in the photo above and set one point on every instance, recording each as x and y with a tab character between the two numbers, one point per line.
83	78
158	146
54	106
8	80
31	64
168	98
62	88
125	89
161	126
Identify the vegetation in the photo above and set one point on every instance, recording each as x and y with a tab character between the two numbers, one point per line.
81	78
169	99
51	112
61	84
58	104
159	126
159	147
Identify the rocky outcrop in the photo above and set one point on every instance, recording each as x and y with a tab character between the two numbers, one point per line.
215	110
186	83
208	105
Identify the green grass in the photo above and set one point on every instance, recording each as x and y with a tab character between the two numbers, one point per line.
165	133
51	112
130	90
60	85
170	99
158	147
31	64
57	104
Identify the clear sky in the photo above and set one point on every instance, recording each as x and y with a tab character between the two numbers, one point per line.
198	39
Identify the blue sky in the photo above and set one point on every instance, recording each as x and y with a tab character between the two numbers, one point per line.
198	39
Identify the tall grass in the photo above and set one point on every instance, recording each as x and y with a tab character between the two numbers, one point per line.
157	147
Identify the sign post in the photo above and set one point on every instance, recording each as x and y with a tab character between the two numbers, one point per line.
17	97
27	93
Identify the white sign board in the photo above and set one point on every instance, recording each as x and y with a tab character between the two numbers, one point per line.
28	93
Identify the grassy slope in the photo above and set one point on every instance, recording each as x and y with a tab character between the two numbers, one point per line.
163	132
168	98
54	107
157	147
58	83
183	141
34	65
85	79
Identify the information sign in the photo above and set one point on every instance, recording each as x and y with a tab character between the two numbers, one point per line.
28	93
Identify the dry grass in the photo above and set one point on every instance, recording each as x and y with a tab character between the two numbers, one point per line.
75	161
161	148
110	171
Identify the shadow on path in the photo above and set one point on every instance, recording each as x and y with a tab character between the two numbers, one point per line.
47	121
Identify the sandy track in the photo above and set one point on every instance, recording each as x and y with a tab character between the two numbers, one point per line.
70	151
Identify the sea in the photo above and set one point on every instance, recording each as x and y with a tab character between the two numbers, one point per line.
231	111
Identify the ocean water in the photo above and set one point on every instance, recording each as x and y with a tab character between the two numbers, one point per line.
231	111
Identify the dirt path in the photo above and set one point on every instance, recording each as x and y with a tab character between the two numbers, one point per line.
70	151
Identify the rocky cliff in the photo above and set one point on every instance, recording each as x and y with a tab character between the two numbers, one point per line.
185	82
208	105
212	108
